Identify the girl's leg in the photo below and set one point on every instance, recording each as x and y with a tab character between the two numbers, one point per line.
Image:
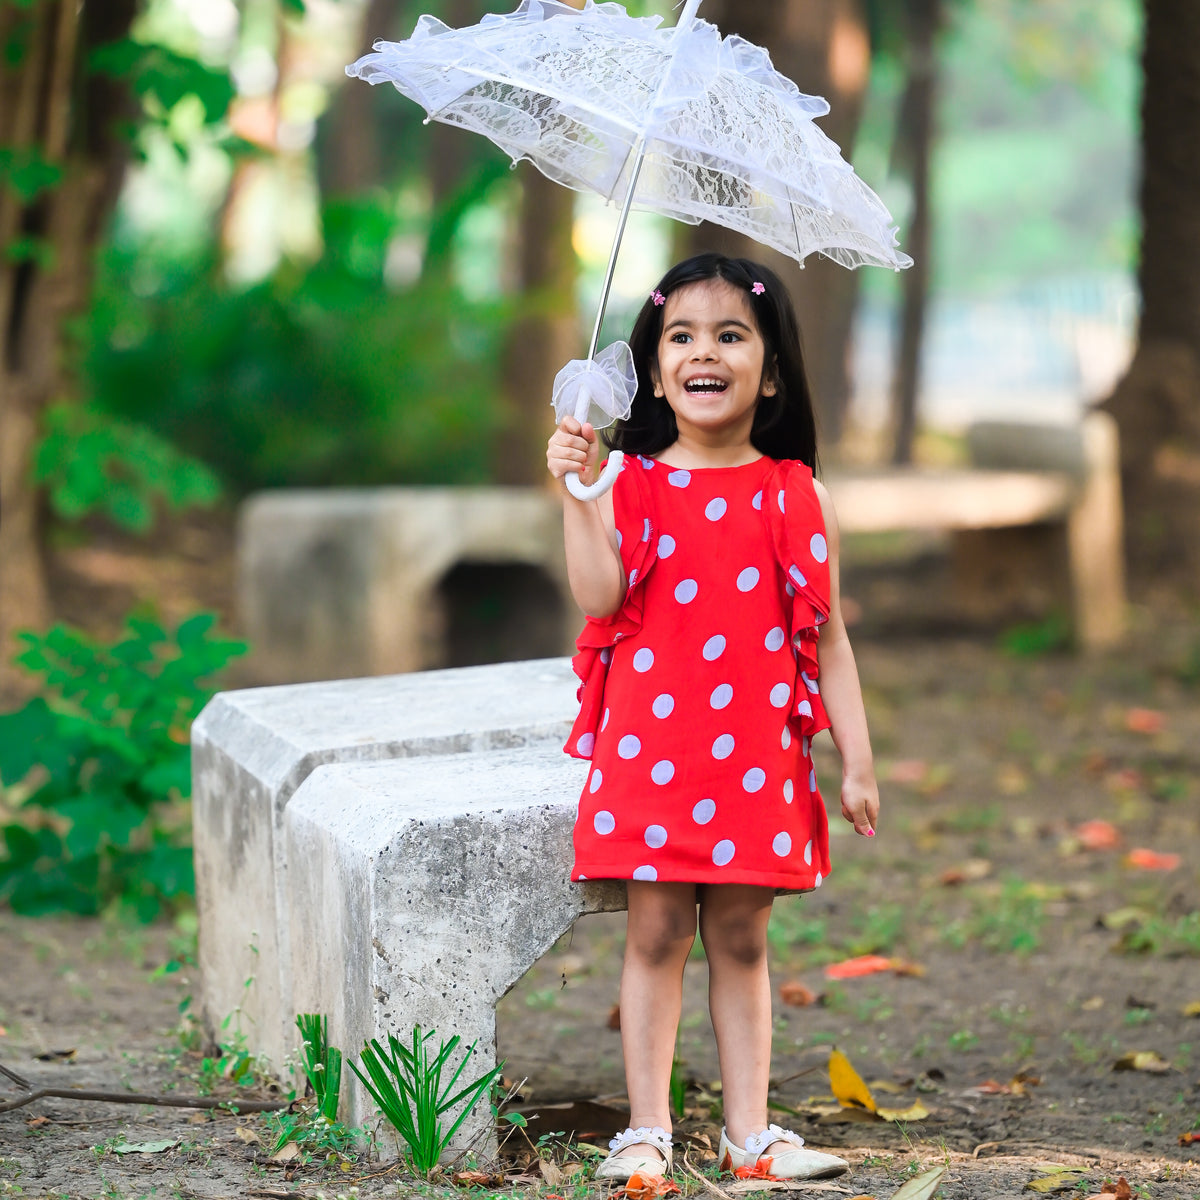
733	927
659	935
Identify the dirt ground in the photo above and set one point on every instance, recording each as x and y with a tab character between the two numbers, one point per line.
1033	956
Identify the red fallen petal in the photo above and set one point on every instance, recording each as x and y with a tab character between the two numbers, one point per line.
1144	720
760	1170
1098	835
1151	860
852	968
797	994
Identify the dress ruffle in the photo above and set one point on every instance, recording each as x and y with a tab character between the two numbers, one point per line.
792	511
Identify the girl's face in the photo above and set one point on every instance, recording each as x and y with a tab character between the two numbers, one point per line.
710	362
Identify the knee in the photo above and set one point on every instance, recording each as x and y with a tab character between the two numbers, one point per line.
741	941
664	937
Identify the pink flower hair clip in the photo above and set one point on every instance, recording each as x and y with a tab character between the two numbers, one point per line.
658	297
758	288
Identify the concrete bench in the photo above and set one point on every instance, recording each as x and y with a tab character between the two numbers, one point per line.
1038	503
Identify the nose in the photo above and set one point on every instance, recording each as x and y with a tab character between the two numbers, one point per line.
704	347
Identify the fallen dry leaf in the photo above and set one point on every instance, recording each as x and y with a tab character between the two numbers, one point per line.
56	1055
550	1172
1144	720
1142	1060
614	1017
916	1111
646	1187
37	1122
922	1186
1189	1139
969	872
848	1086
477	1179
1192	1009
1018	1085
1059	1179
797	994
1151	860
1098	835
286	1153
244	1133
1114	1191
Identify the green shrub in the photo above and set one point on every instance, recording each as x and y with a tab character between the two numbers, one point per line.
95	778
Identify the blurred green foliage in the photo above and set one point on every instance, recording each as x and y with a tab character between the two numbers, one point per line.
91	463
319	375
97	774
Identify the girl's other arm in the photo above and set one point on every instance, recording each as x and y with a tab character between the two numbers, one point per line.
594	568
842	694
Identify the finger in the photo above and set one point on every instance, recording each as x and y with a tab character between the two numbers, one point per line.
570	425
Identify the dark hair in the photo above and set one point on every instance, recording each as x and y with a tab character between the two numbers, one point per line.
784	425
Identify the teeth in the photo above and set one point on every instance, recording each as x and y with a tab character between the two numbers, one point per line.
707	385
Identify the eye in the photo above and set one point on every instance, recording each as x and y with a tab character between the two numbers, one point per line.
730	336
681	339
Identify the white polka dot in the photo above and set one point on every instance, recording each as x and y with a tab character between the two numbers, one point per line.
679	478
723	852
775	638
656	836
723	746
811	684
629	746
704	812
583	877
663	705
685	591
779	498
646	530
747	579
804	709
782	845
605	654
805	746
721	696
788	791
604	822
797	576
663	771
604	723
633	577
714	510
619	539
586	744
808	853
714	647
781	693
757	501
785	738
812	781
646	873
753	779
647	463
643	660
666	546
818	881
787	587
818	546
596	780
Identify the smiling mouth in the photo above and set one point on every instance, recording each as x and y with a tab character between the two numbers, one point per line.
705	386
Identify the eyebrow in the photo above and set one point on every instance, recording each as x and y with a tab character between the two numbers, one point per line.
681	321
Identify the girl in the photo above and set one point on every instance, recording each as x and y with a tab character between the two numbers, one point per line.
714	555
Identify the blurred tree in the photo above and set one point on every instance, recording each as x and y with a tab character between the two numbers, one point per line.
60	170
1157	404
824	46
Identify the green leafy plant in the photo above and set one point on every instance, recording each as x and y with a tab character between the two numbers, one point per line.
96	777
407	1084
314	1127
92	462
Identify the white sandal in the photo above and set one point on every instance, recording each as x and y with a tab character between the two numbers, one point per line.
792	1164
622	1166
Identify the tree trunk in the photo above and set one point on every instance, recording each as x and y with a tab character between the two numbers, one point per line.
823	46
1157	404
914	143
46	111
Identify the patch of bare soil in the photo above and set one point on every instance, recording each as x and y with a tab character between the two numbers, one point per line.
1035	951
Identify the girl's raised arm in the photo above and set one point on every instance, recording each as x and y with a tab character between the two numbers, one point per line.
594	568
842	695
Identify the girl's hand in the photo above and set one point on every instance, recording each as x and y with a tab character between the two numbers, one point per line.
860	802
573	447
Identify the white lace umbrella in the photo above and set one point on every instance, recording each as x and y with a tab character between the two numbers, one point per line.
678	121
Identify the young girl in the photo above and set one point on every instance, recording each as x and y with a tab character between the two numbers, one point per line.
714	650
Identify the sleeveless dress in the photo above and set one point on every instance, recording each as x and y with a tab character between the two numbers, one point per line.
699	697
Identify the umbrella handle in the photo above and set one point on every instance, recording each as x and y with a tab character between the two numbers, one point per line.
586	491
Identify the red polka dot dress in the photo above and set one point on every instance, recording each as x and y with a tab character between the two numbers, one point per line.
700	696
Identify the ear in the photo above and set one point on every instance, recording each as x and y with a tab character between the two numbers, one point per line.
656	380
768	386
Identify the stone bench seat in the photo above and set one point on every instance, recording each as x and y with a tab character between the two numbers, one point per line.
421	890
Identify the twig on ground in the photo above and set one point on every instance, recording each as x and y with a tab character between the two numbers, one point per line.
706	1184
236	1106
19	1080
